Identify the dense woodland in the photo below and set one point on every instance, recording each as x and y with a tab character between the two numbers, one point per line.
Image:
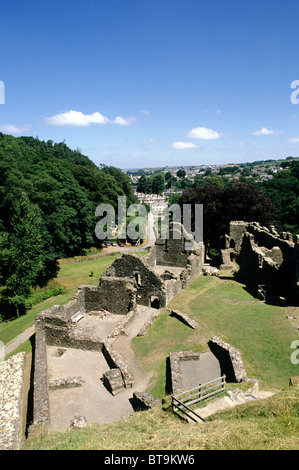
48	197
49	193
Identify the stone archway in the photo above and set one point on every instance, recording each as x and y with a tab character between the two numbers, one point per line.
155	302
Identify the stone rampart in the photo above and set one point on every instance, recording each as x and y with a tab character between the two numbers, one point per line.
41	404
11	402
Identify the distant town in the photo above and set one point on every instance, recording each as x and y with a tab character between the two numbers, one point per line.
172	180
260	170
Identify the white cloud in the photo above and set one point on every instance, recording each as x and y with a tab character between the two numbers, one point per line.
293	140
10	129
265	131
246	144
203	133
77	119
184	145
150	141
123	121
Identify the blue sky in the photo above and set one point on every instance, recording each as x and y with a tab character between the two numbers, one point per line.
146	83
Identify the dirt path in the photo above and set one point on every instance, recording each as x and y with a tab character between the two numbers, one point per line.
123	346
18	340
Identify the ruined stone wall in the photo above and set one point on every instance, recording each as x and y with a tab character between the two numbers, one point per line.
11	402
150	257
230	360
176	249
114	294
173	287
41	404
268	239
265	258
176	374
56	325
194	267
170	253
236	231
146	282
256	264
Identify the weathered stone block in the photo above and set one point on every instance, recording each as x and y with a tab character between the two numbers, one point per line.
78	422
113	381
144	401
184	317
69	382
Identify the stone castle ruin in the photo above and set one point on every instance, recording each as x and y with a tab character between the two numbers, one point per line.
82	361
268	261
86	328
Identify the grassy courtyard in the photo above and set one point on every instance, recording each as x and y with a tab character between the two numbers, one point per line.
222	307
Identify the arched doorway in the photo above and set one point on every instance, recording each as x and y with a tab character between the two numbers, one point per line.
155	302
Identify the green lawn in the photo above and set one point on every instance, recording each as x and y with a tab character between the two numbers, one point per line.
222	307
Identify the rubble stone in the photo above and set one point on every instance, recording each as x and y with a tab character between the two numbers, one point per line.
144	401
113	381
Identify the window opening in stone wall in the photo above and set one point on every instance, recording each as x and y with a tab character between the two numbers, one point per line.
138	279
232	243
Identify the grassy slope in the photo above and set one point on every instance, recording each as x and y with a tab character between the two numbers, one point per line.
270	425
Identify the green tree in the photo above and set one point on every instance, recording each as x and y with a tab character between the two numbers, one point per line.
22	253
239	201
143	185
158	183
283	190
181	173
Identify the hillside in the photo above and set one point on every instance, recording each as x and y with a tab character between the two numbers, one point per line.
270	426
48	197
65	185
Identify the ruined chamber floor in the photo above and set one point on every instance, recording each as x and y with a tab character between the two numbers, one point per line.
200	372
91	400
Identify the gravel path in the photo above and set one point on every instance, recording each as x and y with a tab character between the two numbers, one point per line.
18	340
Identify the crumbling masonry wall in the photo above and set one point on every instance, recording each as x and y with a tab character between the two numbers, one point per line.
177	249
11	402
114	294
230	360
146	282
265	258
